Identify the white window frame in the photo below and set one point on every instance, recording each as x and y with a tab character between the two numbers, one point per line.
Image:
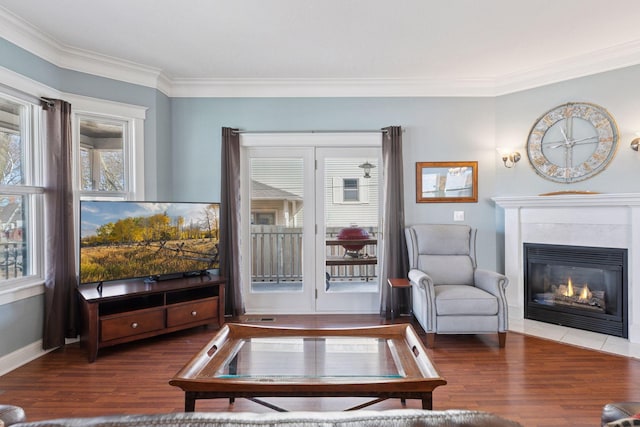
32	189
95	154
132	116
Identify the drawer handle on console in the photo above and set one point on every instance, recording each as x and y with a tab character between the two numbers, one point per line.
134	325
194	313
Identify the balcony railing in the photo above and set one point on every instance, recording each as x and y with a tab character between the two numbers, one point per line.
12	257
277	256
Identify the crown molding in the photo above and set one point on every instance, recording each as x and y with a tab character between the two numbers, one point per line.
612	58
111	68
31	39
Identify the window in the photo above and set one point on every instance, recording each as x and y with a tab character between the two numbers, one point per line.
350	190
263	218
102	159
109	157
20	191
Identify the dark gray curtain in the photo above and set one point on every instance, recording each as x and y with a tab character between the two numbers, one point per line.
60	308
230	221
395	262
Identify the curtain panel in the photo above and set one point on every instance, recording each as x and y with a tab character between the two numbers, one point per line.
395	262
60	281
230	221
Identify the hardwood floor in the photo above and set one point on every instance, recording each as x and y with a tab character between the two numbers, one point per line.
532	380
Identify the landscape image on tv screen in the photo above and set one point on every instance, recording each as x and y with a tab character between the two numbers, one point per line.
124	240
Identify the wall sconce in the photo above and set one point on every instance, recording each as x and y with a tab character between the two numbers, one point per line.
635	144
509	158
367	168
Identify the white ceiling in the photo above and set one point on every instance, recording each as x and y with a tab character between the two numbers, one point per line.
476	47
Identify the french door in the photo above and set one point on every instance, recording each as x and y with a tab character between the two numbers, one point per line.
347	208
299	192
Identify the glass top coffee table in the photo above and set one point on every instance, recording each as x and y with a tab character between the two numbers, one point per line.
251	362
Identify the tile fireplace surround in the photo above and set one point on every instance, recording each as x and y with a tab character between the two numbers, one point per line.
602	220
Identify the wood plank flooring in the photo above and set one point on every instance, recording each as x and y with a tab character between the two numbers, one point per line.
533	381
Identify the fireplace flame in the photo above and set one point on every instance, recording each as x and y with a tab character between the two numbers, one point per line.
569	291
585	294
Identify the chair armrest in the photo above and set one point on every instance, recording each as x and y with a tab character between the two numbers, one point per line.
492	282
495	284
420	278
424	299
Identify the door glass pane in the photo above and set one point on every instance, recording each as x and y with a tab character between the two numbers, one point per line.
276	224
351	220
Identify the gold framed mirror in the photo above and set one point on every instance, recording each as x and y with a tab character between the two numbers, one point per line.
446	182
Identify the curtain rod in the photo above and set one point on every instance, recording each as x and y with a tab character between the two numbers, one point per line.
310	131
50	103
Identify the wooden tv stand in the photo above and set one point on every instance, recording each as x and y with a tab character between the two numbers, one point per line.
130	310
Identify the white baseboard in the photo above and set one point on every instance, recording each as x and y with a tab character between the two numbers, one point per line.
21	356
26	354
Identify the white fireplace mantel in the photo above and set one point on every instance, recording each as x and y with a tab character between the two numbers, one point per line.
602	220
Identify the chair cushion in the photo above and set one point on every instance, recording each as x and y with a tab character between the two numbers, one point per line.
447	269
452	300
443	239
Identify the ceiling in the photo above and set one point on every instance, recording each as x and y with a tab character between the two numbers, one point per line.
488	46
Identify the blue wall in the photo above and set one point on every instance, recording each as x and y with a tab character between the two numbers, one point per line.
20	323
618	91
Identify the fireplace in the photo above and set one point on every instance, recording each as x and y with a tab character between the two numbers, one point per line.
577	286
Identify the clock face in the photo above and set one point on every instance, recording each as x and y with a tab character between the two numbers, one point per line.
572	142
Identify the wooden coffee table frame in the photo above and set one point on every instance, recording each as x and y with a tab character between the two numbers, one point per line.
418	380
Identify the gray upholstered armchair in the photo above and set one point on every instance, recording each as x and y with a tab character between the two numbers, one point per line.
450	294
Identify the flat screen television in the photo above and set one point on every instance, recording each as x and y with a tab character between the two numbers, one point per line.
154	240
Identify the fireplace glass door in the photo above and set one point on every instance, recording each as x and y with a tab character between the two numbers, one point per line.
576	286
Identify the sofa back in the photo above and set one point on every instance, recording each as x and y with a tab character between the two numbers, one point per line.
366	418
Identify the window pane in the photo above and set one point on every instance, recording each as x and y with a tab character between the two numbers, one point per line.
353	267
13	239
111	171
277	194
102	166
350	186
85	169
11	137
